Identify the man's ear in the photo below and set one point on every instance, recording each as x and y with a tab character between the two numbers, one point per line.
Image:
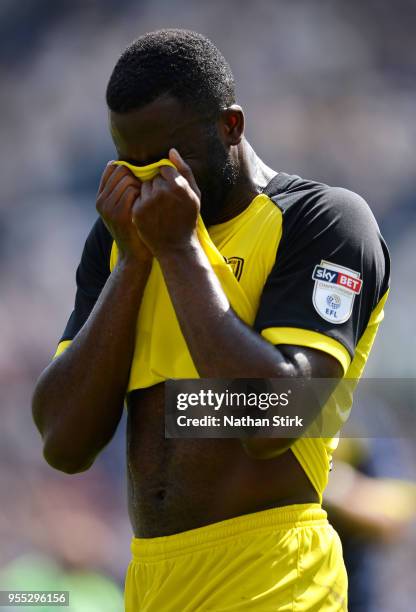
232	125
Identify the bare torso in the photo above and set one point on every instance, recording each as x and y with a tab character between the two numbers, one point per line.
176	485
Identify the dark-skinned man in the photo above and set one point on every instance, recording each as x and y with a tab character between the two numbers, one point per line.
218	524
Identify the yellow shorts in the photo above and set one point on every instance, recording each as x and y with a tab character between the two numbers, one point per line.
282	559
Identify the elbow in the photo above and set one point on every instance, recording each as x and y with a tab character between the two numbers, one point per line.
72	468
59	451
66	464
65	460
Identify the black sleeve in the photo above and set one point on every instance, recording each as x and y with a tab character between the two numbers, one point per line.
331	268
91	276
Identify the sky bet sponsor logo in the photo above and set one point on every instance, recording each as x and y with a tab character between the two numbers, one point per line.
334	291
328	275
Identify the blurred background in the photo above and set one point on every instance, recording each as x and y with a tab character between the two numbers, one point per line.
329	92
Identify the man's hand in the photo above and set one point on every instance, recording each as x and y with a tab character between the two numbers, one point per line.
117	193
165	212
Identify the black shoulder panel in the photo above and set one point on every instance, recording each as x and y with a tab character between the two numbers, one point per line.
91	276
330	225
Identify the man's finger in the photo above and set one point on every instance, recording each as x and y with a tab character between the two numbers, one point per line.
172	177
159	182
146	190
109	169
118	175
125	183
182	168
181	165
128	198
168	173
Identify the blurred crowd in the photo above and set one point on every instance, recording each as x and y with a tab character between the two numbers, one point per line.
328	88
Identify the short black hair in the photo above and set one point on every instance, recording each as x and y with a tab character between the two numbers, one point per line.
181	63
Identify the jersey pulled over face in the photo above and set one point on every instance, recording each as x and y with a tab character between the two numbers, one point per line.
313	265
146	135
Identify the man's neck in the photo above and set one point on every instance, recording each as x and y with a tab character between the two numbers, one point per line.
254	175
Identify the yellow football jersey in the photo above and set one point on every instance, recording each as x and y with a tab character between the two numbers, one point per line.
309	268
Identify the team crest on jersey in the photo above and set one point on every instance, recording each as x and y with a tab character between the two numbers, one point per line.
334	291
236	264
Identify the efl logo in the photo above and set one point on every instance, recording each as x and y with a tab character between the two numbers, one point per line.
334	291
328	275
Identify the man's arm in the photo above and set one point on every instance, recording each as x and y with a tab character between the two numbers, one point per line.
222	346
78	399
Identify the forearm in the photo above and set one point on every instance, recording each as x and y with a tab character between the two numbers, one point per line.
78	400
221	345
